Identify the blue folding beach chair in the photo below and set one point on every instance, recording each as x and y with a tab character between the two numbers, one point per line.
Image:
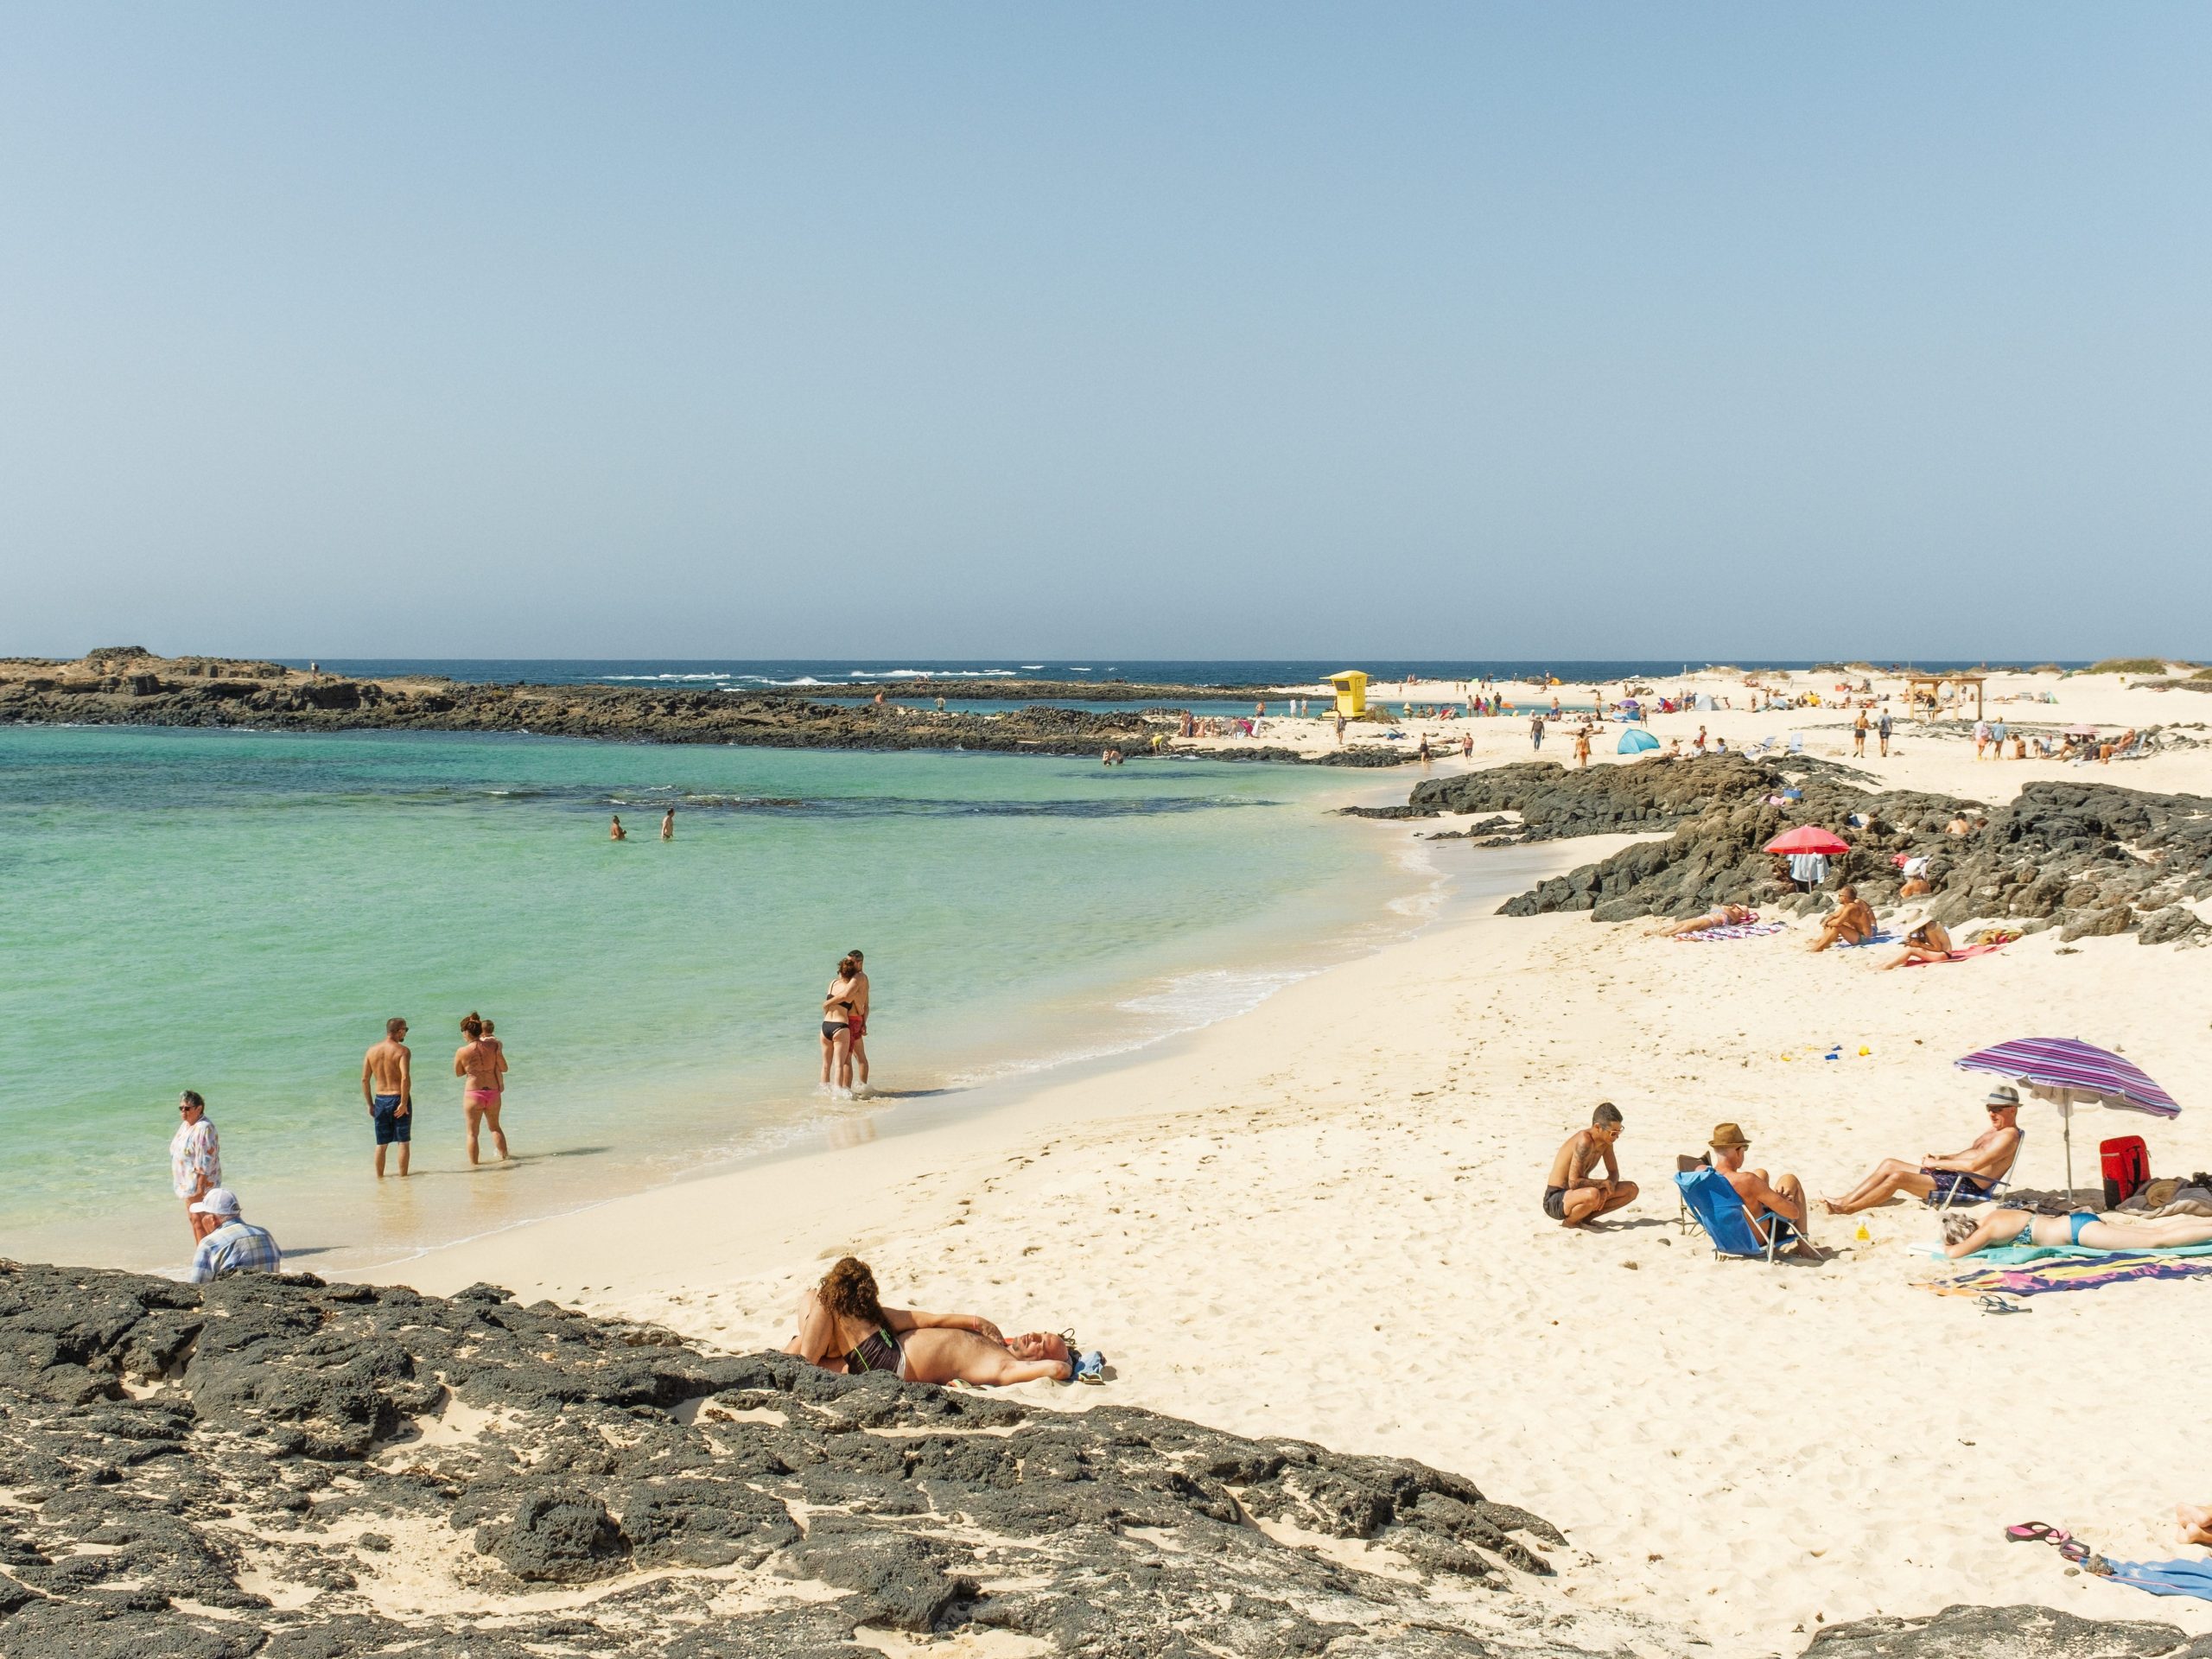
1948	1194
1708	1197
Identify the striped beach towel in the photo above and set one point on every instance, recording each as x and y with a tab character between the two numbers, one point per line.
1730	930
2077	1273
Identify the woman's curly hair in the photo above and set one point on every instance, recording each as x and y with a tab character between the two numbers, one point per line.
849	1290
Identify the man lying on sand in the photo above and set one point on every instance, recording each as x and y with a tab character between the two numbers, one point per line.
1995	1229
1972	1174
1784	1197
2195	1522
1850	921
1571	1196
844	1327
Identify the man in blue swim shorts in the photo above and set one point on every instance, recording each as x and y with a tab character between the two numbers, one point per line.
388	1089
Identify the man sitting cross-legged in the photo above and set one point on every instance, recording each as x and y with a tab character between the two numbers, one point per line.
1970	1175
1572	1196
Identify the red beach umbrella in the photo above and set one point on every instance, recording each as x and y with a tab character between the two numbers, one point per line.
1808	838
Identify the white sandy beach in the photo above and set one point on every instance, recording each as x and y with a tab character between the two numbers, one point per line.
1321	1218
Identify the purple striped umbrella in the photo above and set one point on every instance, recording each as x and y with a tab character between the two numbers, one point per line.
2071	1072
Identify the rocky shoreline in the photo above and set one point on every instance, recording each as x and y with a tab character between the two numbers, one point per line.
2088	857
279	1466
126	687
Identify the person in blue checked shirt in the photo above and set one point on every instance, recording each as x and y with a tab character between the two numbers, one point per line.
236	1245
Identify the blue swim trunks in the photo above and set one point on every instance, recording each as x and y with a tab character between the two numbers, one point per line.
390	1126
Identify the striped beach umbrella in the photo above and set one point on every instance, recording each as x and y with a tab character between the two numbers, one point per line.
2069	1073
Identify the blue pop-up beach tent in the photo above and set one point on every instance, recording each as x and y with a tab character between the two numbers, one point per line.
1635	742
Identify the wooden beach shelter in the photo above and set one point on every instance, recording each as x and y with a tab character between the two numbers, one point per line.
1351	693
1936	683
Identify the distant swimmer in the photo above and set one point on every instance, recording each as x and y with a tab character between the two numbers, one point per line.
483	1061
615	831
857	1024
668	825
388	1088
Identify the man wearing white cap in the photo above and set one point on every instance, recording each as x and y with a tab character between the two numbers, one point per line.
236	1245
1968	1177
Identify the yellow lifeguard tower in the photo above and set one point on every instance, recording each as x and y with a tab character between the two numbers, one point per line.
1351	693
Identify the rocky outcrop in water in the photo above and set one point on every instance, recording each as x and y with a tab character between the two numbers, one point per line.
2086	857
116	687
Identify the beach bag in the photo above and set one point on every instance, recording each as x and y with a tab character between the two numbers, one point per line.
2127	1168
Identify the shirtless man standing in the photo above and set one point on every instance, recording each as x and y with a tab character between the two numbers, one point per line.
388	1089
1571	1196
668	825
858	1024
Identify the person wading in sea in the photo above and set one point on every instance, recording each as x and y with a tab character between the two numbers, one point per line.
483	1061
388	1088
668	825
858	1024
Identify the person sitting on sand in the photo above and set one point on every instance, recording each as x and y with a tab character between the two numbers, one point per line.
1996	1229
1917	886
1925	940
2195	1522
1851	921
842	1326
236	1245
1972	1174
1571	1195
1762	1198
1719	916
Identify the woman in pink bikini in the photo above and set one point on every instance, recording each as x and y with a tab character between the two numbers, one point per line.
483	1061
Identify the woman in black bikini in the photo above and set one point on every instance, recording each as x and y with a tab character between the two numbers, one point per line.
844	1327
837	1028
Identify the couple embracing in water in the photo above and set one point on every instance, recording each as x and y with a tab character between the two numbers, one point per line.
844	1026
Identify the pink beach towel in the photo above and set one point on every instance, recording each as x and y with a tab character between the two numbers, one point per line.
1729	930
1960	955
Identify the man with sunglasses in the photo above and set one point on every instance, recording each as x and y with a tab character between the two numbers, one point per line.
195	1162
1966	1177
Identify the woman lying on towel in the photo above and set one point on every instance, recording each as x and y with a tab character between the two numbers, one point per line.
1996	1229
1719	916
844	1327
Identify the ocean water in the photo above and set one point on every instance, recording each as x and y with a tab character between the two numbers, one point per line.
965	677
238	911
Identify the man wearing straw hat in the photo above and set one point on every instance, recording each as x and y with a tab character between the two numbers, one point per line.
1784	1198
1966	1177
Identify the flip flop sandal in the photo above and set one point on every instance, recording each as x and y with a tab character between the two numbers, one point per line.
2079	1552
1091	1368
1999	1304
2033	1532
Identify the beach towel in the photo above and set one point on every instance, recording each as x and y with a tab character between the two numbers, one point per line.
2074	1272
1959	955
1871	938
2187	1578
1730	930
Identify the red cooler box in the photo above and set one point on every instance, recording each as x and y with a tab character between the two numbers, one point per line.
2127	1168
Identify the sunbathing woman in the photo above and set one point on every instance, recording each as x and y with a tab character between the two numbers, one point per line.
1924	941
844	1327
1964	1235
1719	916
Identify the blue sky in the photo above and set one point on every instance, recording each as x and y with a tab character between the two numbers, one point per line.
1528	330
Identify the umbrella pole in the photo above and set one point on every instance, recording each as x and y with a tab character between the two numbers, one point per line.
2068	1122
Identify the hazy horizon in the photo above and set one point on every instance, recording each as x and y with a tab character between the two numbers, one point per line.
1431	332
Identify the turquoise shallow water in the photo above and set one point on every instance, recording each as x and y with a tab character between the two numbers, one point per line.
237	913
